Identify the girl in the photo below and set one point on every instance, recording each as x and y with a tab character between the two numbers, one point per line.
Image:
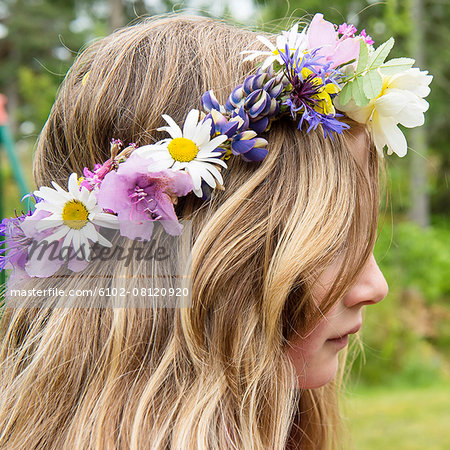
283	231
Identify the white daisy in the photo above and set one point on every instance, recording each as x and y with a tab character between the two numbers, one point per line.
73	215
190	150
292	38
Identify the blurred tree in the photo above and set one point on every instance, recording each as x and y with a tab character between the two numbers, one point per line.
116	14
37	35
420	209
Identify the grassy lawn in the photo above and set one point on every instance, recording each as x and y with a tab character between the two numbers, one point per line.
400	418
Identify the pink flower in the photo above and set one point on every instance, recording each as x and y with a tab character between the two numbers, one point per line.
93	179
323	35
367	39
347	30
139	196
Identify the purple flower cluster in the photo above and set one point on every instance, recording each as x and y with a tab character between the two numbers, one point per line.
257	96
235	125
15	252
306	96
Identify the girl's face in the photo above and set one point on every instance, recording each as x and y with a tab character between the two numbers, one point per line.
315	356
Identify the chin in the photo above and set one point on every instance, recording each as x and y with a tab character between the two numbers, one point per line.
317	377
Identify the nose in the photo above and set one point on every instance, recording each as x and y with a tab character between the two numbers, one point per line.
370	288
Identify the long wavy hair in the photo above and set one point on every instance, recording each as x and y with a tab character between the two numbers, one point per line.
214	375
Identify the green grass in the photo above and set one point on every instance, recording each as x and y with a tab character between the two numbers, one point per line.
400	419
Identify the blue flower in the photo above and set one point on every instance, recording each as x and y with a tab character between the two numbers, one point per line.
313	85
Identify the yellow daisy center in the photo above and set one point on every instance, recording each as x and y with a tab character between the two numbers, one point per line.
75	214
182	149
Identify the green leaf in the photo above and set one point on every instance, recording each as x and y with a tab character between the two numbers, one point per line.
363	57
379	55
358	92
346	94
372	84
345	65
396	65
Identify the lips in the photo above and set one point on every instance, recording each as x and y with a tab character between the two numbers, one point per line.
354	330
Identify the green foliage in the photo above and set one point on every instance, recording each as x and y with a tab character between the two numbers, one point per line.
366	83
406	336
36	107
417	259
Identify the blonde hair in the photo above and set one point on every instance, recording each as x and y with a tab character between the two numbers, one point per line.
214	375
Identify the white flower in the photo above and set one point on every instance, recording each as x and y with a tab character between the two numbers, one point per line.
73	215
400	102
190	149
292	38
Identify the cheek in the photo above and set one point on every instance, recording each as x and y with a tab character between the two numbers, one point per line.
314	362
305	348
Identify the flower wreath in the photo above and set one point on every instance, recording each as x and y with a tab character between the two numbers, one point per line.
316	76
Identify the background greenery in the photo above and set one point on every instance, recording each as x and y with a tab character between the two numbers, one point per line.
401	383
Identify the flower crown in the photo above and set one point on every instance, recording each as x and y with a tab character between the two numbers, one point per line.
308	75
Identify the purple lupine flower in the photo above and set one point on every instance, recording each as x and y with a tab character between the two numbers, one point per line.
250	147
210	102
257	96
242	141
221	125
140	197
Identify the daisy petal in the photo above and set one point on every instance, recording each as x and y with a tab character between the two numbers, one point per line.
214	143
215	161
57	235
266	42
189	128
147	151
76	242
85	248
195	175
68	239
203	133
175	130
90	232
106	220
103	241
46	224
204	174
84	196
255	55
74	188
51	196
214	172
60	190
